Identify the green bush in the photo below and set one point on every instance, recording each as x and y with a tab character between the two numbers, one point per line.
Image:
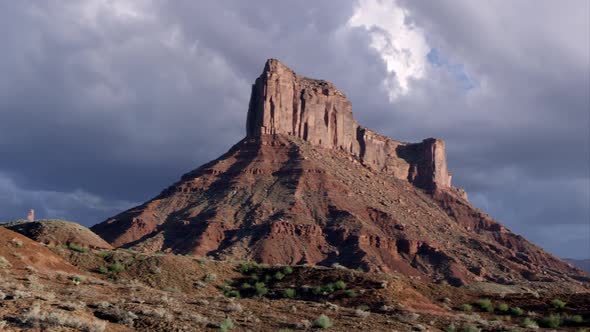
350	293
103	270
226	325
104	253
450	328
279	276
287	270
248	267
485	305
246	286
574	320
229	292
77	247
116	267
516	311
260	289
466	307
323	322
289	293
77	279
558	304
551	321
317	290
469	328
329	288
503	307
528	323
340	285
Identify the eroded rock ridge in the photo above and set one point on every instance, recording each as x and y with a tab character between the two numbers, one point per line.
283	102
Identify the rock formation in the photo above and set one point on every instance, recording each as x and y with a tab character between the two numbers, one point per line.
57	232
309	185
31	215
285	103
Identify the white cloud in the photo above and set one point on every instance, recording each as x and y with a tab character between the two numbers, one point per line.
402	46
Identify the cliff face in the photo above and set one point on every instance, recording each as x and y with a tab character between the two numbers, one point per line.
285	103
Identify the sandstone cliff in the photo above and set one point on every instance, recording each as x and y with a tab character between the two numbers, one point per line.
283	102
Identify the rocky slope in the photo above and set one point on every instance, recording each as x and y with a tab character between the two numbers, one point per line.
308	185
58	232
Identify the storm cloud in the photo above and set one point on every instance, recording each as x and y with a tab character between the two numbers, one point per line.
105	103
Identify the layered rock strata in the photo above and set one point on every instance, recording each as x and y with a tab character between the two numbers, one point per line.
285	103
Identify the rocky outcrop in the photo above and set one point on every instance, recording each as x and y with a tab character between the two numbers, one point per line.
57	232
285	103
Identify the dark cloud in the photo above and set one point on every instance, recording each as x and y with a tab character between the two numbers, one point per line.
103	105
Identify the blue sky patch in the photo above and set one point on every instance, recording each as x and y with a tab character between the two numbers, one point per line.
457	70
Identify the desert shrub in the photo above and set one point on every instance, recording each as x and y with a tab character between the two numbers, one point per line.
160	313
450	328
317	290
102	270
35	317
103	253
287	270
19	294
260	289
551	321
574	320
76	280
323	322
234	307
340	285
363	307
246	286
466	307
116	267
503	307
199	319
338	266
226	325
558	304
469	328
350	293
17	242
329	288
279	275
528	323
248	267
289	293
485	305
516	311
77	247
72	306
228	291
362	313
4	262
116	314
210	277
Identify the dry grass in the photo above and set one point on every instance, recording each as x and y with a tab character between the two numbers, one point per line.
35	317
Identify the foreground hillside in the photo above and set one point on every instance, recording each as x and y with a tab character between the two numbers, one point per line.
121	290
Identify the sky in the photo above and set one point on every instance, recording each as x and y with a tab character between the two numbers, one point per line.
105	103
